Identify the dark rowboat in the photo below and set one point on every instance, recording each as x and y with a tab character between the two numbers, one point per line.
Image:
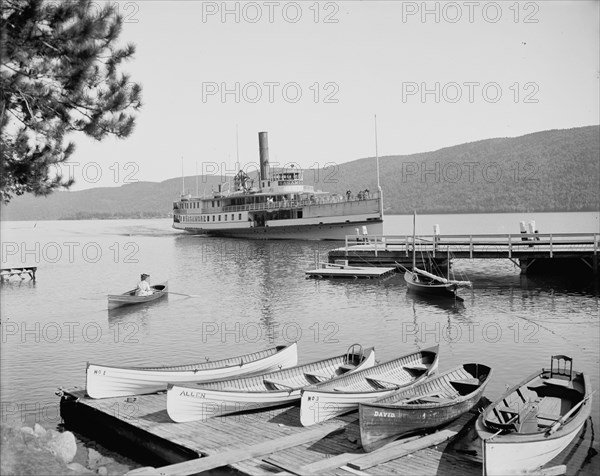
129	297
535	420
428	284
426	405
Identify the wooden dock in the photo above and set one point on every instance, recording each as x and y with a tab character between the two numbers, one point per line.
264	442
21	272
336	270
272	441
530	252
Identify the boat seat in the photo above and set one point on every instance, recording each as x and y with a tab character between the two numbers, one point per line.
347	367
466	386
278	383
382	381
318	375
435	399
416	367
557	381
420	397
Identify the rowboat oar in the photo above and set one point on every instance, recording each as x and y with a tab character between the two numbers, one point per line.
181	294
559	423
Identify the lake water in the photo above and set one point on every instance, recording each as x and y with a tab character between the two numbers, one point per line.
254	294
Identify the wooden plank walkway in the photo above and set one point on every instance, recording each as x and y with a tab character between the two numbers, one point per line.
522	249
332	270
273	442
274	434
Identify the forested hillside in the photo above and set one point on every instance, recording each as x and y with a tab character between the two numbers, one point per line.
556	170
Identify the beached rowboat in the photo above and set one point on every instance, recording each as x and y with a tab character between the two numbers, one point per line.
203	401
429	404
535	420
130	297
327	400
104	381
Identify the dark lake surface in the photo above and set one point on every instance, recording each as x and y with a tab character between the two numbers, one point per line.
254	294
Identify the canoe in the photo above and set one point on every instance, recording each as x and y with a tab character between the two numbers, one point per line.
533	421
129	297
203	401
327	400
429	404
104	381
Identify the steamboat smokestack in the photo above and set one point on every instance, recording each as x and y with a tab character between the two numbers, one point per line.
263	145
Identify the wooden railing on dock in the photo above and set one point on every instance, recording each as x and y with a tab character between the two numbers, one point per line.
473	246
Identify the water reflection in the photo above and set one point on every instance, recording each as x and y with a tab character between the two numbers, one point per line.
436	303
575	284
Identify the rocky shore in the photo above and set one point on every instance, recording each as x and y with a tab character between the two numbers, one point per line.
39	451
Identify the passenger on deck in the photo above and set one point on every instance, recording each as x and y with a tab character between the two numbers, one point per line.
143	287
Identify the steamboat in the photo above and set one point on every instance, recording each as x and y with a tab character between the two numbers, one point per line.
280	207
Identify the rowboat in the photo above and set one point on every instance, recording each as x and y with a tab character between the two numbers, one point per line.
129	297
203	401
535	420
424	406
104	381
329	399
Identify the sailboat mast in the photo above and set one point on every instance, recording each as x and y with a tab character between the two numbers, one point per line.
414	241
377	162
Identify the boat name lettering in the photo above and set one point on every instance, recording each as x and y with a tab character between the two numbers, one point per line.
385	414
187	393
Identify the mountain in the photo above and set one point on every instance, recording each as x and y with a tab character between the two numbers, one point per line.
556	170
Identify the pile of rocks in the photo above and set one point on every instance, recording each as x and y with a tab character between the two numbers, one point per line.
37	451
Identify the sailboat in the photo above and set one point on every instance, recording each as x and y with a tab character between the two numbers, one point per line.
426	283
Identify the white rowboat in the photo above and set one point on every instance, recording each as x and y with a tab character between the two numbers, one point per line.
327	400
203	401
104	381
535	420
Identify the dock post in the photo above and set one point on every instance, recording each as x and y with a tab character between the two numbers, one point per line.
523	264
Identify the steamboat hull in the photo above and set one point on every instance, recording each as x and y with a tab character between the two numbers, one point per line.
296	232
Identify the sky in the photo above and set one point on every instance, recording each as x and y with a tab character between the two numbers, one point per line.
315	74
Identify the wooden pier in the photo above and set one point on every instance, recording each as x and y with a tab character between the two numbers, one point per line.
263	442
272	441
343	270
7	273
531	252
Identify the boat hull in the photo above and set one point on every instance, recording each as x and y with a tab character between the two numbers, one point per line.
129	299
433	290
342	395
520	431
326	231
105	381
198	403
518	457
395	416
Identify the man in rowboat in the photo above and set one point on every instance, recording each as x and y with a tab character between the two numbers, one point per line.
143	287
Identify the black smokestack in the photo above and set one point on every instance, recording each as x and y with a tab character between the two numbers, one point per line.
263	145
